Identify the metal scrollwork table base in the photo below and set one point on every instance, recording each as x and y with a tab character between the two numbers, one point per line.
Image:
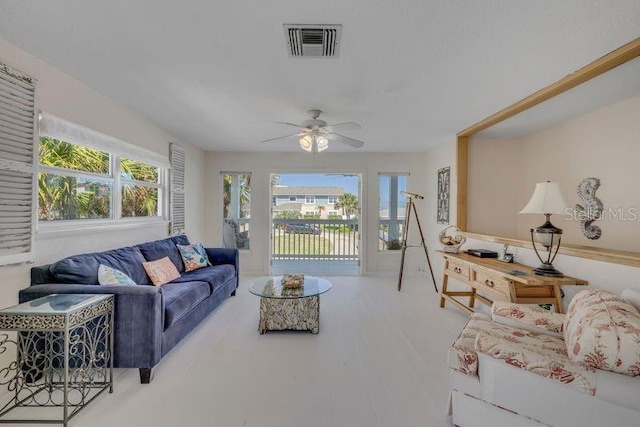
63	356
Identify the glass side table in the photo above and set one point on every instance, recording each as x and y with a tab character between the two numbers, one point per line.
64	355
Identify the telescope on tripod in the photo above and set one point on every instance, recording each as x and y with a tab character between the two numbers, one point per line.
405	234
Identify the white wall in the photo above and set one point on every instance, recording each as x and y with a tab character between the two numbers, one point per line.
262	165
601	275
601	144
68	98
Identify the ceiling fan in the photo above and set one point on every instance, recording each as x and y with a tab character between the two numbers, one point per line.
314	134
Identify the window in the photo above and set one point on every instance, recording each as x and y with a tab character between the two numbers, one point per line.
236	206
391	210
293	199
310	200
74	182
332	200
85	176
274	201
77	183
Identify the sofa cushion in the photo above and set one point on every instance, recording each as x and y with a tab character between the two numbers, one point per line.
83	268
537	353
462	354
193	256
161	271
111	276
179	298
152	251
529	317
602	331
215	276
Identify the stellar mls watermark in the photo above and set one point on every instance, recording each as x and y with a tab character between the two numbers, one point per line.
610	214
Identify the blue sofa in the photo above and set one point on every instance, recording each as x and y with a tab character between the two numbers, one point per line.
149	320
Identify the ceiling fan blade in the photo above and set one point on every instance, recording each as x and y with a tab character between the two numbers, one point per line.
292	124
283	137
346	140
341	127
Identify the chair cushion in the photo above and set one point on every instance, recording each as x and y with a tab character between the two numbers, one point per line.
180	298
152	251
528	317
215	276
83	269
602	331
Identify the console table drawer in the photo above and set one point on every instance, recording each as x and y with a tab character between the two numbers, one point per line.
495	285
460	270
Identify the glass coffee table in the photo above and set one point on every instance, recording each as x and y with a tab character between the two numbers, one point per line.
289	309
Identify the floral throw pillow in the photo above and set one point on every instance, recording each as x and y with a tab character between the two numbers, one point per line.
161	271
111	276
194	256
602	331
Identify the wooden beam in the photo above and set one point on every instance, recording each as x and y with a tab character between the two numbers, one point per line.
619	56
462	153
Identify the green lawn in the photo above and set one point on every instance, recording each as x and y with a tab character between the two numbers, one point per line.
303	244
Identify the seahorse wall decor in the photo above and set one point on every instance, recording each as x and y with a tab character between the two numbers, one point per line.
592	209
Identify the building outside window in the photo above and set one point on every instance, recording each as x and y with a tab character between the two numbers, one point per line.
332	200
310	200
391	210
293	199
236	206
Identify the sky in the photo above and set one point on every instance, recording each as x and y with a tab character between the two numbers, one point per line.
348	182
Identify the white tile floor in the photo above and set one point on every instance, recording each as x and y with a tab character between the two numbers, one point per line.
379	360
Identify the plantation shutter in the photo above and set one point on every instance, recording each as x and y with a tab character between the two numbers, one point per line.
177	189
17	145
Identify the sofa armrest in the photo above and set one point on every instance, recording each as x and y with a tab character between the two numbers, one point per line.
528	317
138	318
219	256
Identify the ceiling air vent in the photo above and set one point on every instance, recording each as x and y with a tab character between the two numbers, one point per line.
312	40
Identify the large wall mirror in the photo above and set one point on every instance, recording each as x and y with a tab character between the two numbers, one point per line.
587	125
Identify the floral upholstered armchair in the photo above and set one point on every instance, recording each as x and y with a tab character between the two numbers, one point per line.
525	365
232	236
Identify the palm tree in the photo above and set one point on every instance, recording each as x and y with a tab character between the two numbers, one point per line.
245	193
320	209
58	196
348	203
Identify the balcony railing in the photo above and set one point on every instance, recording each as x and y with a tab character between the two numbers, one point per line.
315	239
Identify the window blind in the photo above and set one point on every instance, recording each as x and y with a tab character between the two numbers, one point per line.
58	128
177	189
17	145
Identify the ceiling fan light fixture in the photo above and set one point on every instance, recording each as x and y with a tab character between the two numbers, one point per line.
322	142
306	143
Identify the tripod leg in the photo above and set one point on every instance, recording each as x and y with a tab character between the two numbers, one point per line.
426	252
405	234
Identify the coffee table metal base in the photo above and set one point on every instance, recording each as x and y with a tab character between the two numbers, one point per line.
300	314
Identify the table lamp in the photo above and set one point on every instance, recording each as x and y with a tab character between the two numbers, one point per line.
546	199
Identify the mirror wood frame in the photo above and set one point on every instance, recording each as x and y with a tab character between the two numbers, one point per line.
618	57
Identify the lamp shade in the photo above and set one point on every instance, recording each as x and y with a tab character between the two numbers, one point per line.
306	143
546	199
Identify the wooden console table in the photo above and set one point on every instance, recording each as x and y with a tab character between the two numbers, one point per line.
490	278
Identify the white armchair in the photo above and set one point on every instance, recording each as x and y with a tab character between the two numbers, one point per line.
526	366
232	237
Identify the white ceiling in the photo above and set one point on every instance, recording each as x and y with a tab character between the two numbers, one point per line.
412	72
